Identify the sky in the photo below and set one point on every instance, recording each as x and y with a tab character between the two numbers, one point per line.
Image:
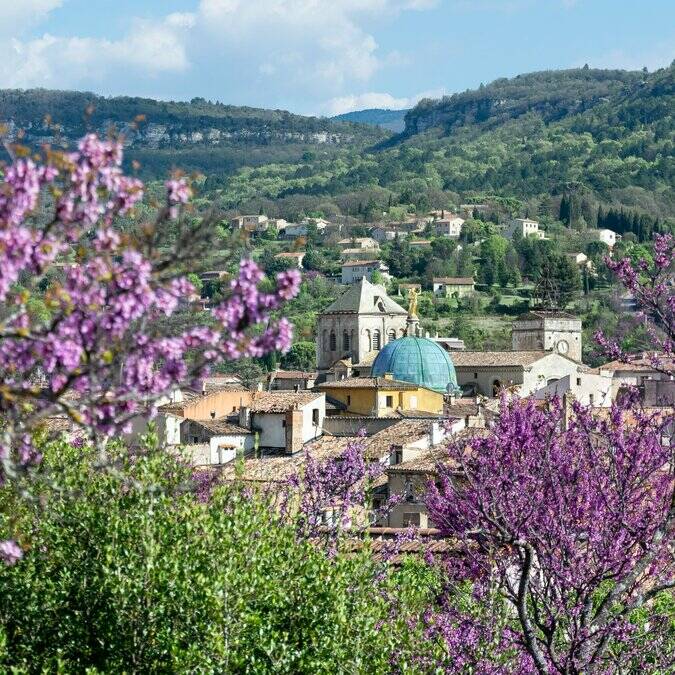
319	57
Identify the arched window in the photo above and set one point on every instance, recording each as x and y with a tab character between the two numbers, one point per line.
369	340
333	341
496	388
325	339
377	342
392	334
346	343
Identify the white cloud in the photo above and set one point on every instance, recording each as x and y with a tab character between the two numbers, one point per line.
373	99
16	15
149	48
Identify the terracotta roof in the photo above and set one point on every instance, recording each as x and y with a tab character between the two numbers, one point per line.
642	363
293	375
362	263
462	359
454	281
281	401
369	383
221	427
367	360
462	407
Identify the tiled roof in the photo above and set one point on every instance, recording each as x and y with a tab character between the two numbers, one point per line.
638	364
462	407
293	375
281	401
367	360
221	427
369	383
462	359
365	298
455	281
362	263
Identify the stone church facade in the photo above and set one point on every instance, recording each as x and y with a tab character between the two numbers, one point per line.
357	325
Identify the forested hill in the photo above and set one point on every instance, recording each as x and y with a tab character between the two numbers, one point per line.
198	135
552	95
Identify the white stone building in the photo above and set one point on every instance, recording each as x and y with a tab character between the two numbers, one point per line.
606	236
523	227
225	441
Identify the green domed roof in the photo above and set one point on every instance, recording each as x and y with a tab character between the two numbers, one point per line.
417	360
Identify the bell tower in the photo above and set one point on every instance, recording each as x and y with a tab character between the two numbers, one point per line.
548	330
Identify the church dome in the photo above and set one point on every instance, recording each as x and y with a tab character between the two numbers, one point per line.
417	360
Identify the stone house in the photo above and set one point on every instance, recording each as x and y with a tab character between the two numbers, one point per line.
225	440
606	236
448	226
285	420
291	380
257	223
382	234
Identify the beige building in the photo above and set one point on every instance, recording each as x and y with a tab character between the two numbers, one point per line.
291	380
256	223
447	287
448	226
358	242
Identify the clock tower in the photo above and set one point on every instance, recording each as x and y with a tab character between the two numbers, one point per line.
547	330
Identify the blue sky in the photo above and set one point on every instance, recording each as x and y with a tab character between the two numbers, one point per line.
318	56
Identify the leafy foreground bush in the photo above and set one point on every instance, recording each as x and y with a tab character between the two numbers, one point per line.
127	571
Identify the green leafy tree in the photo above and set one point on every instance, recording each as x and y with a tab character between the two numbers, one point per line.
301	356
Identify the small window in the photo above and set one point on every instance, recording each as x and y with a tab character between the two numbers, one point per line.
590	399
411	519
578	381
195	439
398	455
390	401
475	376
349	400
315	417
283	423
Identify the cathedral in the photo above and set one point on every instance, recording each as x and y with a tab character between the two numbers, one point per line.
357	325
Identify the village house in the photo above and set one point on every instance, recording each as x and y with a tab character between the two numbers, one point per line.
358	242
382	396
383	234
222	440
296	257
363	269
643	371
448	226
450	286
291	380
285	420
523	227
606	236
351	254
256	223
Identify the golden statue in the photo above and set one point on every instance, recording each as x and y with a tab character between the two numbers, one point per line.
413	294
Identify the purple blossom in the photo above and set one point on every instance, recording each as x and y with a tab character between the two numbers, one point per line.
10	552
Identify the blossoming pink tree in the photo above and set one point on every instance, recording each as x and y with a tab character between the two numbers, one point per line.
569	516
105	354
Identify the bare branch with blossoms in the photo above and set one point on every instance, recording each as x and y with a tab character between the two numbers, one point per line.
107	353
576	518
